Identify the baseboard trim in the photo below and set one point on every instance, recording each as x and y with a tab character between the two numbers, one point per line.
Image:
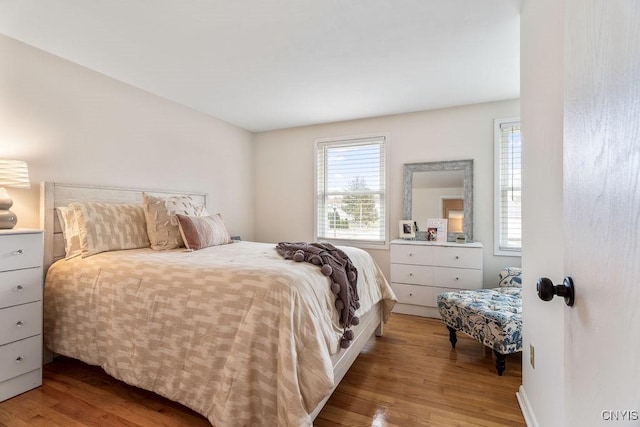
525	407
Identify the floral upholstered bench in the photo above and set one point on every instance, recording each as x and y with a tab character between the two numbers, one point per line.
492	316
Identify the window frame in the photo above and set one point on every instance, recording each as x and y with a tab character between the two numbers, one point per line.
344	140
498	249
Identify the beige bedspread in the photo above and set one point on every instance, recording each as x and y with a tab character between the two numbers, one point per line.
234	332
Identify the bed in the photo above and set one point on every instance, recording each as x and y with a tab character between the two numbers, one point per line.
233	331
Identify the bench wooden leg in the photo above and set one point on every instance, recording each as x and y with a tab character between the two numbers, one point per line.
500	362
452	336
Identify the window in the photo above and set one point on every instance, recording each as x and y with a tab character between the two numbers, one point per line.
351	191
508	190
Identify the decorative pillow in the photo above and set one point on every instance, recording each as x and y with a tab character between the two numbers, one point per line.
110	227
510	276
202	231
70	232
162	225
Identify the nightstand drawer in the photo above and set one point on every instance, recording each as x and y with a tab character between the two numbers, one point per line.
20	322
457	278
412	294
20	384
20	286
20	251
20	357
412	274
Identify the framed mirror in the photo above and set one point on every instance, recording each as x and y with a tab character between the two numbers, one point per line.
439	190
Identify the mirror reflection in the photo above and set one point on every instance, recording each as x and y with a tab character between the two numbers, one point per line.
439	190
438	194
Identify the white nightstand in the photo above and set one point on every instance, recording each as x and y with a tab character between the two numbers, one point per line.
21	253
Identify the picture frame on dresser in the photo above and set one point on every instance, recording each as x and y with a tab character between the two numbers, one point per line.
437	229
406	229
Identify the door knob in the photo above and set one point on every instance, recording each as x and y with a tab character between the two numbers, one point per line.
546	290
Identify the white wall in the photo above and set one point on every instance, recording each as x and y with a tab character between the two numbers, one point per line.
284	170
74	125
542	53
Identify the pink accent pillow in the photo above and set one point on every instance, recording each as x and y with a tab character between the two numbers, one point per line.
202	231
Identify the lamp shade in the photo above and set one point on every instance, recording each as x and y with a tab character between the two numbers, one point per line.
14	174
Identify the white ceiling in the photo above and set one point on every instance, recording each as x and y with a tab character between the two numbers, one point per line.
271	64
438	179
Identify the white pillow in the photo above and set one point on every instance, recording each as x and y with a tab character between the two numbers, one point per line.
70	232
110	227
162	225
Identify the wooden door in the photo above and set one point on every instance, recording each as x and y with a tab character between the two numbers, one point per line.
602	211
453	211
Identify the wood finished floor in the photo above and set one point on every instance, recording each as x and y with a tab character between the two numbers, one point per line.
409	377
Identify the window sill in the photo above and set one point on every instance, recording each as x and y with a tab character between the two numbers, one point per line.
508	253
356	244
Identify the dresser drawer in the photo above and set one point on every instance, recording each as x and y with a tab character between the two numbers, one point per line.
20	251
412	294
20	321
412	254
412	274
20	286
457	278
20	357
459	257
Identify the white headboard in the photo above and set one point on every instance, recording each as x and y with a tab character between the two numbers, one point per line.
53	194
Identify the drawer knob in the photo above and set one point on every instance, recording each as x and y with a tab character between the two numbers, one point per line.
18	252
19	323
410	295
410	274
457	257
19	287
457	278
410	254
19	359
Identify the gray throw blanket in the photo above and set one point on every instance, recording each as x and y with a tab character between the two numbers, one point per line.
335	264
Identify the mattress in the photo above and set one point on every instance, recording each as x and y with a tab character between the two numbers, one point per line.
234	332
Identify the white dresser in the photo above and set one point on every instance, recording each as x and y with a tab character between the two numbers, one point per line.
21	253
420	270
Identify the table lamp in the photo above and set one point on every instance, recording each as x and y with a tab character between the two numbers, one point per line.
13	174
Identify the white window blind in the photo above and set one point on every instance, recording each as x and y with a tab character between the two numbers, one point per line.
351	198
508	193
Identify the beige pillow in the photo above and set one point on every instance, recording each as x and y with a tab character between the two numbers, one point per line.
162	225
70	232
202	231
110	227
